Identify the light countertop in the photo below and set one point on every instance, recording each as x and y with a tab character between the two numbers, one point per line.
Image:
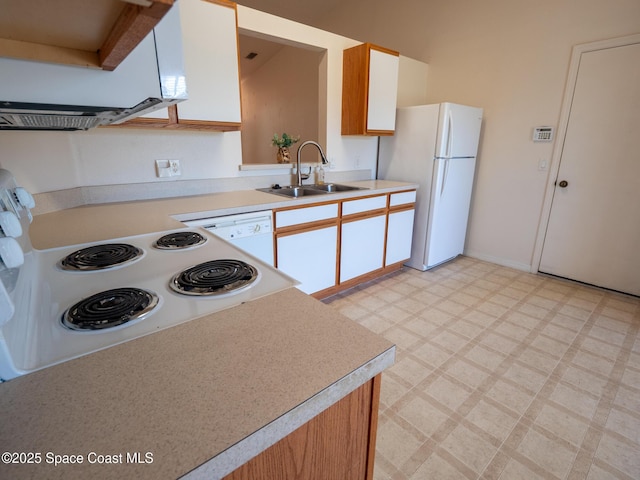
197	399
94	223
194	393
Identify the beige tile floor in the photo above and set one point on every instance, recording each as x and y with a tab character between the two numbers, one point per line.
502	374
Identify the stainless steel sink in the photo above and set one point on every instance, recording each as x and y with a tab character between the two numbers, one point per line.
335	187
305	190
293	191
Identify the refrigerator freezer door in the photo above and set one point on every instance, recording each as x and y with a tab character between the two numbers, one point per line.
458	131
449	209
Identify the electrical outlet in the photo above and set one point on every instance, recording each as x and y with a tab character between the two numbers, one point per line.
168	168
175	167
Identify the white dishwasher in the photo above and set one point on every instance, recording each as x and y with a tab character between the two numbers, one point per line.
251	232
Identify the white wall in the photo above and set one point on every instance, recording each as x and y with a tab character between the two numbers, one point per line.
412	82
50	161
511	58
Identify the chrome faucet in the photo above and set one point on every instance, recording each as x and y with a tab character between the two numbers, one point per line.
298	169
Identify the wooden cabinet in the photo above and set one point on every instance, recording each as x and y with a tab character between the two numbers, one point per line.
339	443
332	246
400	227
362	236
369	90
307	245
361	247
309	256
399	232
210	42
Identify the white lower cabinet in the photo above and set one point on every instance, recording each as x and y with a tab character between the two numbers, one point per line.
310	257
361	246
326	245
399	235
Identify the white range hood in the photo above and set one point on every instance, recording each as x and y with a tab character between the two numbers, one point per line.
47	96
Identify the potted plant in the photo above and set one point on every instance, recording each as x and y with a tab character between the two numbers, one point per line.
283	145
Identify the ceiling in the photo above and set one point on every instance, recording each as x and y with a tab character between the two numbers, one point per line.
24	22
263	49
301	11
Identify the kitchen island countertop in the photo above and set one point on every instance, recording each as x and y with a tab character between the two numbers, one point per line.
207	394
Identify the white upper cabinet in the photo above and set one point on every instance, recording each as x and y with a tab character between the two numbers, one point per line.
369	90
383	88
211	61
210	42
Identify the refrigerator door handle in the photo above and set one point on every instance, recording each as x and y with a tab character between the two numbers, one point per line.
445	174
449	132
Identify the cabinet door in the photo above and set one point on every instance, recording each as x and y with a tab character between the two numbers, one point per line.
211	62
361	205
362	247
383	91
369	90
399	235
297	216
210	48
310	257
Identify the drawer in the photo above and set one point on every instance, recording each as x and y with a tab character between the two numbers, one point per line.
286	218
402	198
364	205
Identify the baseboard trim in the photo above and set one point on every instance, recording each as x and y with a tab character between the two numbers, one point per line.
505	262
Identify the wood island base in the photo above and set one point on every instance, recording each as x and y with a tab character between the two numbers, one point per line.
338	443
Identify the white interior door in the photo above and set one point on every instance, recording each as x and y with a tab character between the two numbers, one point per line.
593	234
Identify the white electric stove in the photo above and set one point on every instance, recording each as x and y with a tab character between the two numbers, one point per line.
44	290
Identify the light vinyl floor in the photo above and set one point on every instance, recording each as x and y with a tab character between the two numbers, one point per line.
503	374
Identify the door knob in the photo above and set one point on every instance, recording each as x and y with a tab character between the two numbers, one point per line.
563	184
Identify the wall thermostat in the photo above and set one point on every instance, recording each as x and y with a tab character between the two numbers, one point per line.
543	134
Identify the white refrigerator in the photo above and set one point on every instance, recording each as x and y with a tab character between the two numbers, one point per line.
435	146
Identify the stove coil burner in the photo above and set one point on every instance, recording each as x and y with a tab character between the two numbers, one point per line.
179	240
100	257
215	277
109	309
